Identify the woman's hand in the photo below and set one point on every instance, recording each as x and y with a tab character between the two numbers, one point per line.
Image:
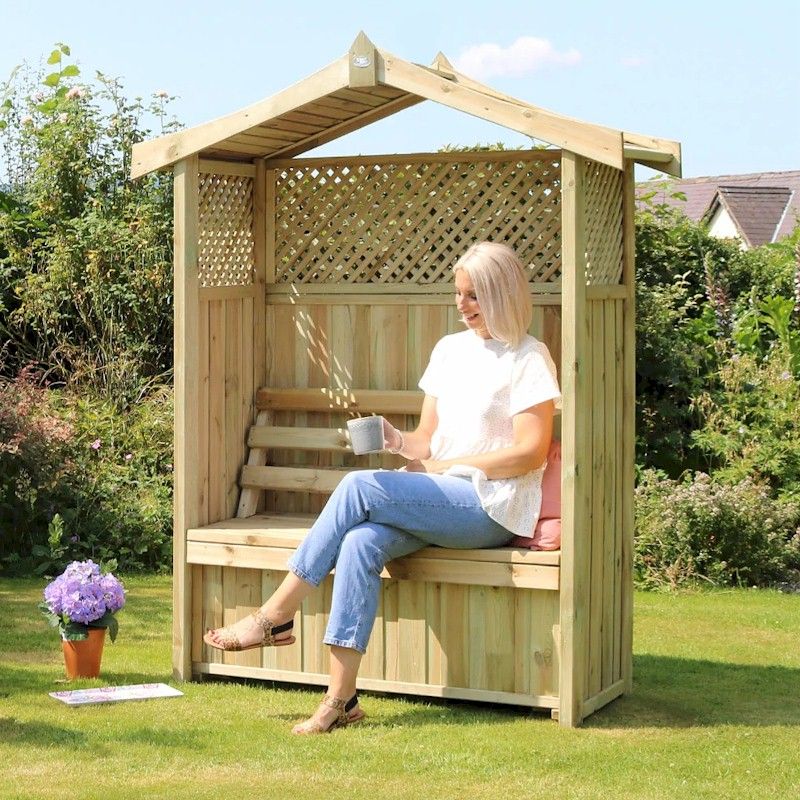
392	438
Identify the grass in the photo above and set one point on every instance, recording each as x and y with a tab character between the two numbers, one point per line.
715	713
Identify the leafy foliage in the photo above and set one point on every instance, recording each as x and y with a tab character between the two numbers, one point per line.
85	264
701	530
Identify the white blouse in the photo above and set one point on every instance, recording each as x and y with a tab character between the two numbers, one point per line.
479	385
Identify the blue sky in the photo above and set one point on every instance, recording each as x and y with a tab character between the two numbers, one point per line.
721	77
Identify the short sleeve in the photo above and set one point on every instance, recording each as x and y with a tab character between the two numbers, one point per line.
433	377
534	380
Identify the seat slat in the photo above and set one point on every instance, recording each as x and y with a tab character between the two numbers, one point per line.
287	531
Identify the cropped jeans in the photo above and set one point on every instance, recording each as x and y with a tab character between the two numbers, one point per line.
374	516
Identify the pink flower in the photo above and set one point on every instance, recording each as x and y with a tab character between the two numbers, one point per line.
128	456
162	93
95	445
74	93
27	120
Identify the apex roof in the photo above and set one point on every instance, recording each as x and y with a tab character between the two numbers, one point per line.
368	84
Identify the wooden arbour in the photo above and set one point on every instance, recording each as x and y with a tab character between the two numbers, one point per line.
334	274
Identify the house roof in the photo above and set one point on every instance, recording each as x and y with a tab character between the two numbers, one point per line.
757	211
368	84
696	195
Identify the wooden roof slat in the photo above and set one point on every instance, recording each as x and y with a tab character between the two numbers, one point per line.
166	150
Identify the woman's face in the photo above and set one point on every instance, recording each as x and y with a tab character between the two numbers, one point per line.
468	306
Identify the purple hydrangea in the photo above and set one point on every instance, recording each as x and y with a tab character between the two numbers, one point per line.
82	594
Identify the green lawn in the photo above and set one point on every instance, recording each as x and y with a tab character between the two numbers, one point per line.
715	713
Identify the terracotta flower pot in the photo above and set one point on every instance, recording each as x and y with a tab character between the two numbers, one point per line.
82	658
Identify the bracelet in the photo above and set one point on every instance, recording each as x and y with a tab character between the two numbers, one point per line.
398	450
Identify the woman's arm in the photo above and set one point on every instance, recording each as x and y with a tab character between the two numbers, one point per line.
533	430
414	444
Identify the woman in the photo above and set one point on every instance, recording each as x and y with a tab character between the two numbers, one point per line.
473	477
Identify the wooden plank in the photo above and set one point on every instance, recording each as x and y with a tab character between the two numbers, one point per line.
473	573
413	159
247	594
576	469
325	399
671	167
598	498
203	481
335	131
373	662
235	169
269	222
412	632
315	439
475	640
628	427
166	150
500	646
294	479
187	375
611	492
618	500
196	629
257	457
212	608
592	141
216	411
530	576
453	634
234	435
371	684
208	293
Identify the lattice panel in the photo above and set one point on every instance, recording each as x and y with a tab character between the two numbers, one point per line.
407	223
225	240
604	194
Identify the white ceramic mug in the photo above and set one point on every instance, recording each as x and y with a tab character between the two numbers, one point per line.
366	434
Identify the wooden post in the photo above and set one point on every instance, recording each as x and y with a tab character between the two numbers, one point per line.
575	428
628	422
363	63
186	503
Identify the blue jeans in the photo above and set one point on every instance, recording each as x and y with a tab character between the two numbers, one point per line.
374	516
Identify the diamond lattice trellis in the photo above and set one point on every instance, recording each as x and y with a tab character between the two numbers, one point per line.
604	233
407	223
225	238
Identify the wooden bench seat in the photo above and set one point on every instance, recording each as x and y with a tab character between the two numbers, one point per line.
472	624
265	541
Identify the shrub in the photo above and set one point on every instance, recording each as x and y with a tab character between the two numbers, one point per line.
35	447
699	530
85	275
81	479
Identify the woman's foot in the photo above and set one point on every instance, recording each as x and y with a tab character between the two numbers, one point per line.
255	630
332	713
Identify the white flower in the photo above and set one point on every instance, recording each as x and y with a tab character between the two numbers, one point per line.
27	120
74	93
63	117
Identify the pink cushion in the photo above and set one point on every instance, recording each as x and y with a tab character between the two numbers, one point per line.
547	533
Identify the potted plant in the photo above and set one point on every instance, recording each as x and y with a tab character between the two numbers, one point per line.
81	603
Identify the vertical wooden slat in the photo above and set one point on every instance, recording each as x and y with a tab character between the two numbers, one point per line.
576	469
498	622
247	594
203	413
263	243
212	608
217	471
611	491
411	631
186	370
475	641
628	424
234	436
270	210
598	479
618	484
453	634
372	664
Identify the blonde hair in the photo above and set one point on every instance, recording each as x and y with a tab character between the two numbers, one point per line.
501	289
